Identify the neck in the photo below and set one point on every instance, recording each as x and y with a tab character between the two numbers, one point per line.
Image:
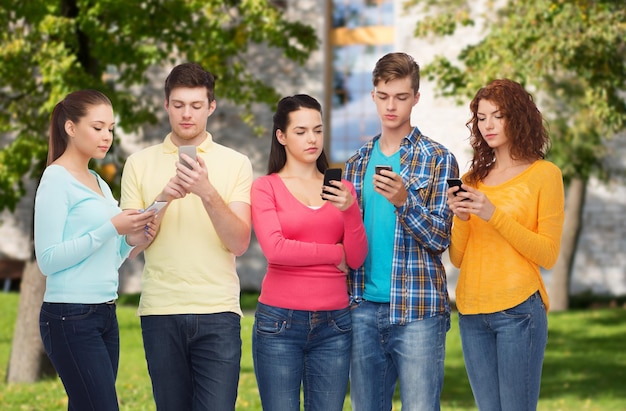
300	170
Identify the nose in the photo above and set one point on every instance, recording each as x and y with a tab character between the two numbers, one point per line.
489	123
187	111
391	104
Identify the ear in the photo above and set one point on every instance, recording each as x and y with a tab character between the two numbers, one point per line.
416	98
280	136
70	128
212	107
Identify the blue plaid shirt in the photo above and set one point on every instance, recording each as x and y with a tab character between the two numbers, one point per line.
418	280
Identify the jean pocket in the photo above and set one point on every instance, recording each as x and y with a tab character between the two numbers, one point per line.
522	310
66	312
268	325
343	322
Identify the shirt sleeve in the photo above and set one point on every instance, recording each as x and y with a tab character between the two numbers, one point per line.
425	213
276	248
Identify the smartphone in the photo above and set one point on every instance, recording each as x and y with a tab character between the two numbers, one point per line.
190	151
331	174
379	168
452	182
156	206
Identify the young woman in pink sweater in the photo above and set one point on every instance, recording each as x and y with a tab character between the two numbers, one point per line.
303	331
510	226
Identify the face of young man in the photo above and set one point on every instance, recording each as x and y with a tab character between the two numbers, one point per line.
394	101
188	110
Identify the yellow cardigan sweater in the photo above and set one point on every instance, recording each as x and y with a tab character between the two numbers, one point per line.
500	258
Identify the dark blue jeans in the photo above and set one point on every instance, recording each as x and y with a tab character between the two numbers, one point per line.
293	348
83	343
193	360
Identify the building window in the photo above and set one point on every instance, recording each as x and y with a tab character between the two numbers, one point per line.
362	31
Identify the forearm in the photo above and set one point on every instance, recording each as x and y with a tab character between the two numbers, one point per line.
231	222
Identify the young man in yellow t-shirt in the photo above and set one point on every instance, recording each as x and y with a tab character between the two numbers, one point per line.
189	307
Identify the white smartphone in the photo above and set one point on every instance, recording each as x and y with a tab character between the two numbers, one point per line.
156	206
190	151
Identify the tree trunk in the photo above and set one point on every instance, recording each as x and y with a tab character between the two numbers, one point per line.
28	362
562	271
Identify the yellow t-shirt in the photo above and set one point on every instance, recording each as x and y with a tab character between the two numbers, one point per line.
500	258
188	270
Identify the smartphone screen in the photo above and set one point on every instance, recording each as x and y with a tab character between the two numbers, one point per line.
190	151
452	182
331	174
379	168
157	206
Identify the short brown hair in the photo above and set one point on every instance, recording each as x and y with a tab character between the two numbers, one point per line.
394	66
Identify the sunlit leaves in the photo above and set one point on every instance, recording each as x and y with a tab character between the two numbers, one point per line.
570	54
52	47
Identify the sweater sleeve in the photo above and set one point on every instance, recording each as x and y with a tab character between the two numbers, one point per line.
354	237
276	248
542	246
56	249
458	242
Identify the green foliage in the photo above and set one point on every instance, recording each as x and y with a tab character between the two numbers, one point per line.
49	48
571	55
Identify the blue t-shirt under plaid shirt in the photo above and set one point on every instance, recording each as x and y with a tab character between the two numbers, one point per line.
422	230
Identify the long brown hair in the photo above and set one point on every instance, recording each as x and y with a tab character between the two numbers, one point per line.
523	124
73	107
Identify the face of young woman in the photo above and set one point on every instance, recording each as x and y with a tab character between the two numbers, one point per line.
92	136
491	124
304	137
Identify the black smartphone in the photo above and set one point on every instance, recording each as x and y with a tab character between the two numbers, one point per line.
456	182
333	174
190	151
379	168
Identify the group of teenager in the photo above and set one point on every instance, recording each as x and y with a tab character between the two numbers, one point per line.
355	293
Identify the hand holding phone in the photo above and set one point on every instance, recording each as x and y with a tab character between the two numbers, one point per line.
456	182
190	151
380	168
331	174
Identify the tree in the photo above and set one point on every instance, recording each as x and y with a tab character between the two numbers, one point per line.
571	54
52	47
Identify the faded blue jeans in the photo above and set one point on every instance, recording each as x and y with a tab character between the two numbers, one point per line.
83	343
293	348
503	355
383	353
193	360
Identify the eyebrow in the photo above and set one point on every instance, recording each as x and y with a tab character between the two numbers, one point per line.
483	114
387	94
191	102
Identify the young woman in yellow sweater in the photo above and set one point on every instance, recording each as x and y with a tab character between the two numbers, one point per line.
507	224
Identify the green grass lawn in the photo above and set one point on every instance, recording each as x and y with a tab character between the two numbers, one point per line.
585	366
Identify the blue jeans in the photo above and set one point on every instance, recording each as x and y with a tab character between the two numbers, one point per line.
294	348
383	352
83	343
193	360
503	355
